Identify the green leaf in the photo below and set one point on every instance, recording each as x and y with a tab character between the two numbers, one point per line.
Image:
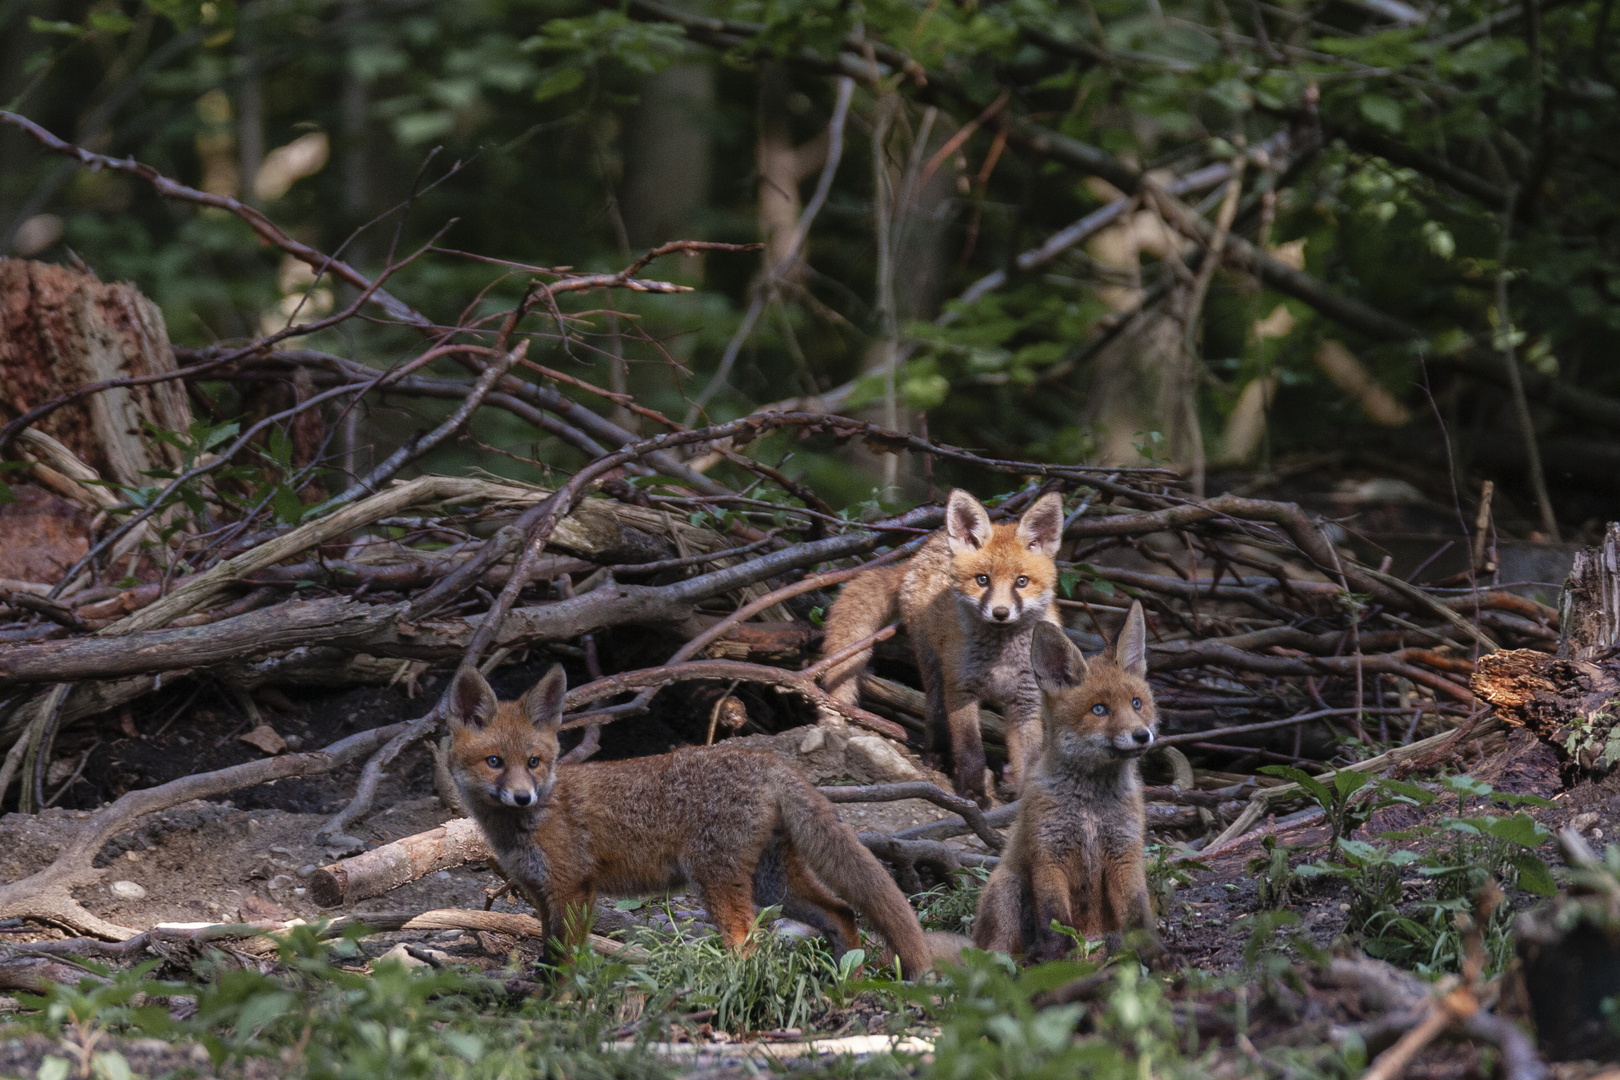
54	26
1384	111
1348	781
111	1065
559	82
113	22
288	507
1408	790
1520	829
1534	877
53	1068
466	1045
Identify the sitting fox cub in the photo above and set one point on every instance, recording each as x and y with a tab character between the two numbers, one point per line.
1075	854
971	598
741	825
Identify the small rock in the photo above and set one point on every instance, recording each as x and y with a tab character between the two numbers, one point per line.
265	738
258	909
306	870
127	890
132	856
398	953
1581	822
880	759
443	875
281	881
813	740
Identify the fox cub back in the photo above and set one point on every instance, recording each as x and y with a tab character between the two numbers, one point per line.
1082	812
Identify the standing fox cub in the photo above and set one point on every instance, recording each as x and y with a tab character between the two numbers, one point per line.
1075	854
971	598
741	825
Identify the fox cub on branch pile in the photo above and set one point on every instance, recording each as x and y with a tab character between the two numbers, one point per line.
741	825
970	598
1075	854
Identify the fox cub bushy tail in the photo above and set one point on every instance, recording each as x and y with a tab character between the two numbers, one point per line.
971	598
1075	854
742	826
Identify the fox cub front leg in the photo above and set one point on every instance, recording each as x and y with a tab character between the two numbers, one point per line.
1049	894
1126	891
967	747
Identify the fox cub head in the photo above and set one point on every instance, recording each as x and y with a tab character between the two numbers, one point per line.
1003	573
1097	710
504	753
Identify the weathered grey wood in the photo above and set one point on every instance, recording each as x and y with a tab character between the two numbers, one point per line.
333	621
1590	607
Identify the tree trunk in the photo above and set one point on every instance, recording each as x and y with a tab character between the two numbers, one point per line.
60	330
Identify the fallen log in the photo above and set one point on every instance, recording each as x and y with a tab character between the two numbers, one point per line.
389	866
330	621
377	629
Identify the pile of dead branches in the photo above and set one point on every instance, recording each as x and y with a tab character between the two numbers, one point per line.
1269	642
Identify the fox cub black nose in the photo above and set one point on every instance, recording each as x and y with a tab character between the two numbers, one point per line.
522	797
1001	613
1143	737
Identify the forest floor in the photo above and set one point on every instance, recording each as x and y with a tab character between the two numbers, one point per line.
249	857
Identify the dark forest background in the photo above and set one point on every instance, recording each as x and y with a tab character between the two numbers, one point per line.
1425	223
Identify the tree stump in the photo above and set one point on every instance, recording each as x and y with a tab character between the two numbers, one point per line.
61	330
1571	700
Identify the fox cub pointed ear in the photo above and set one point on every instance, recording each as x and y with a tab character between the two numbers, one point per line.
1041	528
543	704
469	702
1056	662
967	522
1130	649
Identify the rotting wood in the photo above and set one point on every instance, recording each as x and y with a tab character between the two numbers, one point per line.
61	330
1570	701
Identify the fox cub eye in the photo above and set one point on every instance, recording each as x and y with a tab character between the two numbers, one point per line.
1100	709
534	762
493	761
1136	703
983	579
1023	579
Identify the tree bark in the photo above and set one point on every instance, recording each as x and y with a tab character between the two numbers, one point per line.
1570	700
59	331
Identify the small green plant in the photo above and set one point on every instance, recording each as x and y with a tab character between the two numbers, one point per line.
1338	799
1474	850
320	1014
781	982
950	906
1165	877
1276	884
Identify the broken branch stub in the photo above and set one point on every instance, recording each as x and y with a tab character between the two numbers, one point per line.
389	866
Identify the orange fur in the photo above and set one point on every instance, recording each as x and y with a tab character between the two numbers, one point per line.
970	599
741	825
1075	853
